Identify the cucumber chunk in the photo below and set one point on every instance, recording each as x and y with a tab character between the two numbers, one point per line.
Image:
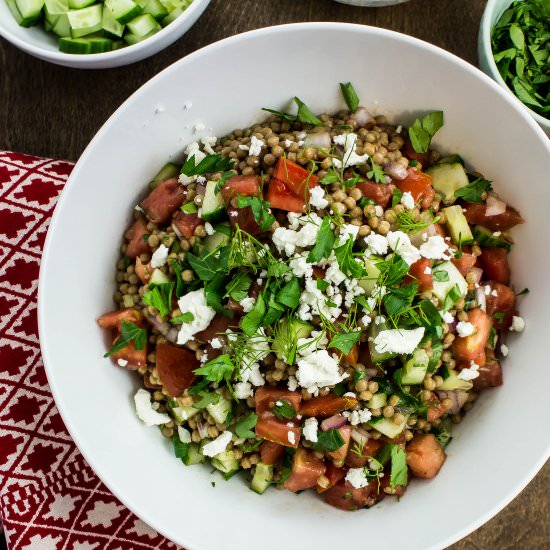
75	45
376	356
485	237
158	277
453	382
26	12
369	281
415	368
377	401
448	178
287	334
123	10
143	25
194	456
458	225
111	25
219	411
262	478
211	242
442	283
85	21
79	4
213	206
154	8
225	462
168	171
55	7
182	414
388	427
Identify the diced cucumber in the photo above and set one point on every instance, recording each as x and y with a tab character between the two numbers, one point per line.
211	242
85	21
485	237
75	45
448	178
61	27
48	26
154	7
442	284
288	331
377	401
111	25
143	25
219	411
56	7
194	456
451	159
225	462
213	206
100	45
171	5
182	414
158	277
415	368
26	12
388	427
172	16
262	477
79	4
453	382
168	171
458	225
376	356
123	10
371	277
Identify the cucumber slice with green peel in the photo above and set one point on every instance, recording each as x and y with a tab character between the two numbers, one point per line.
369	281
447	179
458	225
414	370
211	242
85	21
56	7
123	10
172	5
182	414
388	427
225	462
194	456
451	159
100	45
158	277
486	237
75	45
80	4
377	401
376	356
172	16
143	25
111	25
287	334
263	476
155	8
27	13
62	27
213	206
47	25
219	411
453	382
168	171
445	276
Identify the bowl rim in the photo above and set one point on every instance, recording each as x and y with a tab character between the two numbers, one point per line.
485	29
88	454
115	55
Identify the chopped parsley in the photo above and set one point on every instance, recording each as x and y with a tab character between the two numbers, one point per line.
129	333
423	130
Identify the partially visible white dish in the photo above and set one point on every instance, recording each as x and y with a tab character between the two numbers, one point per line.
223	86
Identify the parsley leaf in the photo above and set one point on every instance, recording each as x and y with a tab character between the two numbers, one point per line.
160	297
217	369
186	317
329	441
344	341
206	268
392	271
181	450
283	410
322	284
396	197
252	321
473	191
222	181
178	270
237	289
398	475
206	398
422	130
260	210
452	296
208	165
277	269
347	262
350	96
377	173
324	244
398	299
189	208
331	177
305	114
243	428
129	333
289	295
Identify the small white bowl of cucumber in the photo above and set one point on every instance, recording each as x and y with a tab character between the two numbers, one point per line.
96	34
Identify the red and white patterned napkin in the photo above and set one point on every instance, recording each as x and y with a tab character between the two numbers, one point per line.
50	498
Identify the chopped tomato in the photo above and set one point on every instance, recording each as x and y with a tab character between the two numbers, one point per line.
340	454
421	273
164	200
476	215
346	497
369	450
419	185
266	398
397	491
219	324
472	348
319	272
490	375
435	410
352	356
327	405
136	357
185	224
494	262
285	433
306	469
271	453
135	237
244	218
175	367
280	196
143	271
334	475
248	186
465	263
113	319
380	193
297	179
411	154
425	456
501	305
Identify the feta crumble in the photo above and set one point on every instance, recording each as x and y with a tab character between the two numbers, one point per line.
145	411
208	228
208	143
349	157
287	239
377	244
398	340
317	198
359	417
311	426
447	316
292	383
243	390
401	244
469	373
434	248
428	270
291	438
357	478
122	362
195	303
193	150
407	200
318	370
464	328
504	350
247	303
518	324
347	230
255	146
216	343
218	445
159	257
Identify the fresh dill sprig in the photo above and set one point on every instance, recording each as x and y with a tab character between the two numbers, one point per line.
408	224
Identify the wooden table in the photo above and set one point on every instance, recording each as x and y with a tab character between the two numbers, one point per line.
53	111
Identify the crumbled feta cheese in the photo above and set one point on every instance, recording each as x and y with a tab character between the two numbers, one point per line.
291	438
209	142
494	292
379	319
288	239
487	290
218	445
122	362
247	303
447	317
314	302
318	340
216	343
469	373
195	303
184	434
158	259
464	328
145	411
317	198
352	290
288	143
378	210
193	150
244	147
300	266
407	200
198	127
518	324
359	417
398	340
292	383
243	390
318	370
208	228
233	213
311	426
366	320
347	230
377	244
428	270
255	146
401	244
497	233
434	248
357	478
204	358
350	157
504	350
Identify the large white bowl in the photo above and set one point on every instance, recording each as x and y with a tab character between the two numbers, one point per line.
44	45
504	439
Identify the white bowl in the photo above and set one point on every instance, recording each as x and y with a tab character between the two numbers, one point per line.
36	41
503	441
493	10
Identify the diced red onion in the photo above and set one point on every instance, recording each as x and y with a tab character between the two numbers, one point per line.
200	189
495	206
418	238
170	332
359	435
395	170
361	116
458	398
481	299
202	427
371	372
333	422
318	139
477	274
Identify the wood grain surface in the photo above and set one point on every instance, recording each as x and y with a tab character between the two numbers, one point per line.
54	111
